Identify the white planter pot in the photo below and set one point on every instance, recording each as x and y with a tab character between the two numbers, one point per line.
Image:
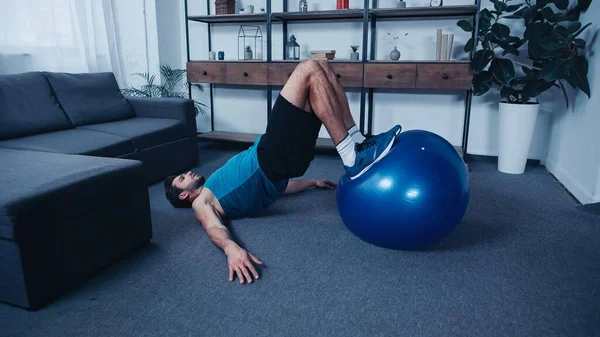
516	124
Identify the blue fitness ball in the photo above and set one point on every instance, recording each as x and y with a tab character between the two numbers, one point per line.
414	196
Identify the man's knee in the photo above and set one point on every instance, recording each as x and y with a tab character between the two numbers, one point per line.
312	70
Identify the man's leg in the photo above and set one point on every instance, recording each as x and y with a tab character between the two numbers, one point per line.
310	87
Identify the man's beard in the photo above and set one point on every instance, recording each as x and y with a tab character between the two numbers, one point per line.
198	183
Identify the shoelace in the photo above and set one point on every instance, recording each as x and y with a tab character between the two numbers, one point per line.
364	145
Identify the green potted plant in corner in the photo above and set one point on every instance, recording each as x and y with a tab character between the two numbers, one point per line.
354	53
173	79
555	55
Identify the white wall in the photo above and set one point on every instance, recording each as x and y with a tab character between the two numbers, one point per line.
574	149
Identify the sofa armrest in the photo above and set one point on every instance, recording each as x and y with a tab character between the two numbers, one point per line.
172	108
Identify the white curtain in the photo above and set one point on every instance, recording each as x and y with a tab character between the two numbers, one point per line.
76	36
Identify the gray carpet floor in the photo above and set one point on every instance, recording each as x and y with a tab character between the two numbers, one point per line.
525	261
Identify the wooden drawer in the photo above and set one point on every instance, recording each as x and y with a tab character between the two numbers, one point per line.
246	73
444	76
390	75
349	74
206	72
279	73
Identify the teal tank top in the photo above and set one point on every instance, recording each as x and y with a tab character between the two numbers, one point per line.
242	187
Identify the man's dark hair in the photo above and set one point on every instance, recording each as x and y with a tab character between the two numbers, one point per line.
172	194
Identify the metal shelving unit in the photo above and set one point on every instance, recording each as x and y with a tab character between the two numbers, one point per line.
369	15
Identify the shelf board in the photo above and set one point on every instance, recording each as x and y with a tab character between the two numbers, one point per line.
421	61
424	11
242	137
230	18
229	61
318	15
330	61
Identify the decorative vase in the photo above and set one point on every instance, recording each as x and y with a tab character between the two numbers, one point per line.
250	9
401	4
302	6
395	54
354	56
248	55
515	131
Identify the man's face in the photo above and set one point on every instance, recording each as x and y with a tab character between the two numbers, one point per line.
189	181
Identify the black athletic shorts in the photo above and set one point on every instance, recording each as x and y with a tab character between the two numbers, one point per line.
288	146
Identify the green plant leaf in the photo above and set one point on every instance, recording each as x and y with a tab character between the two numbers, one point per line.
577	76
583	5
534	88
513	39
481	83
485	13
465	25
503	70
500	6
549	15
506	91
484	24
536	30
541	3
555	69
574	27
550	42
520	14
519	43
561	4
560	32
581	30
564	91
508	49
469	45
513	8
580	43
500	31
480	60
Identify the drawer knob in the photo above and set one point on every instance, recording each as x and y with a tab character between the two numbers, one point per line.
245	74
204	73
337	75
289	74
445	76
390	76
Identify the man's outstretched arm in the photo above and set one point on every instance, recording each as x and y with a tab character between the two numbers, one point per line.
296	186
238	259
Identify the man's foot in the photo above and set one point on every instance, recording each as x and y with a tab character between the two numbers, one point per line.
371	151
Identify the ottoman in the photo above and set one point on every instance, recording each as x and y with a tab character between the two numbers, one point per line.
62	218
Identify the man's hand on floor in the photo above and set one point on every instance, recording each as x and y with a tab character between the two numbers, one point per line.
322	183
240	262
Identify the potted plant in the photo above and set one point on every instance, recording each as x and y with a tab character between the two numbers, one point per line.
354	53
248	53
554	57
173	80
241	10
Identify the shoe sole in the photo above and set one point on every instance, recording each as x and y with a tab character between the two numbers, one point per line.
387	149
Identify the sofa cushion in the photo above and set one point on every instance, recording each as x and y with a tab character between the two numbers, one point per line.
28	106
35	176
90	98
74	141
145	132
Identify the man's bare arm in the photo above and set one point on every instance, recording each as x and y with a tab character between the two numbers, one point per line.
238	259
296	186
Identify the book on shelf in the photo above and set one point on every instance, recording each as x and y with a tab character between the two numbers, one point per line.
322	54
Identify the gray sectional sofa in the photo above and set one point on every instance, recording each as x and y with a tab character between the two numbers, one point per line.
76	158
